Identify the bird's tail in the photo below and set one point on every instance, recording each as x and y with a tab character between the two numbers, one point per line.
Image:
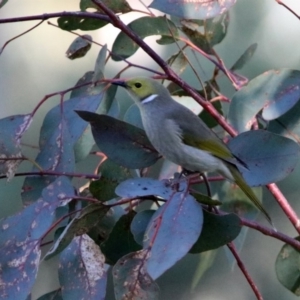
240	181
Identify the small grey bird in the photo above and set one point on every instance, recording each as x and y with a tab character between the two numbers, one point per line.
181	136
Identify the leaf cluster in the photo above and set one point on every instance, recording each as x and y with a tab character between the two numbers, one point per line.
126	220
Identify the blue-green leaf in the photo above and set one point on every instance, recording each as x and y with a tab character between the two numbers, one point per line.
287	268
197	9
56	155
171	233
20	238
141	187
139	225
82	270
123	143
269	157
12	129
79	47
124	47
139	285
120	241
217	231
274	92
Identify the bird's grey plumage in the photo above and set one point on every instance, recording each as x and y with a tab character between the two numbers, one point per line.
181	136
169	134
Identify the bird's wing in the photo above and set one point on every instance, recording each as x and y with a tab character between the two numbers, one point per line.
195	133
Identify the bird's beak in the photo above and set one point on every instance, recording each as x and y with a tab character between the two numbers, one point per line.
120	83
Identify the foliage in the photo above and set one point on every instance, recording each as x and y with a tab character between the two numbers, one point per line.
125	220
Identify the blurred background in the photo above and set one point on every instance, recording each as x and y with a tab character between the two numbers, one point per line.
35	65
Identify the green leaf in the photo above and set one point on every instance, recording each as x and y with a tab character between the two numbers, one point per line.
288	268
216	28
100	64
86	89
3	2
124	47
207	118
245	57
198	38
178	62
102	230
75	23
217	231
209	33
274	92
88	218
203	199
79	47
117	6
111	175
120	241
197	9
123	143
139	285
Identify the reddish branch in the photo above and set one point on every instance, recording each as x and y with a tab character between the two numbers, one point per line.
288	8
55	173
244	270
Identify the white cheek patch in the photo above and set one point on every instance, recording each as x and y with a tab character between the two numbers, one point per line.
149	98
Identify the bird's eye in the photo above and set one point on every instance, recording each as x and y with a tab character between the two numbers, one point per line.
138	85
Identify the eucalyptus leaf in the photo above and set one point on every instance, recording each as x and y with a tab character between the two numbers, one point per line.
123	143
287	268
117	6
111	175
141	187
245	57
124	47
217	231
74	23
178	222
12	129
132	270
79	47
198	9
82	270
139	225
120	241
133	116
274	92
269	157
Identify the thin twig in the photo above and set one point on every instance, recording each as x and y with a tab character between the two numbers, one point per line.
44	17
270	232
54	173
19	35
284	204
288	8
244	271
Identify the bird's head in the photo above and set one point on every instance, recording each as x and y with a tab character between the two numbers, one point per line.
144	90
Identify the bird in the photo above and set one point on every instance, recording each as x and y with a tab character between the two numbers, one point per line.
182	137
